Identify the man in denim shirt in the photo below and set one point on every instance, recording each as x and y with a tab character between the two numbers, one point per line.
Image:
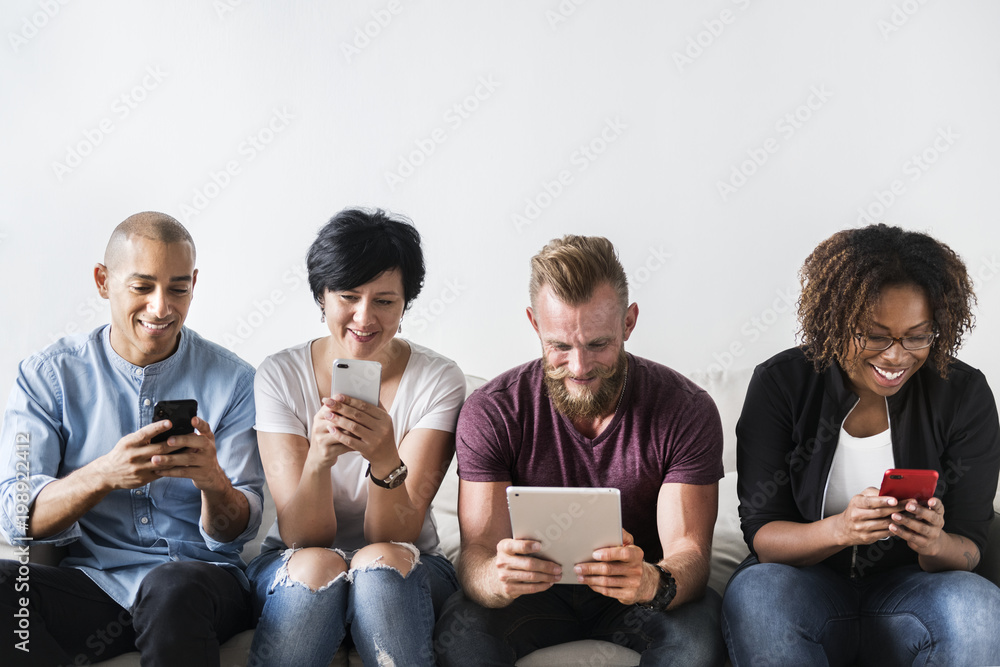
153	531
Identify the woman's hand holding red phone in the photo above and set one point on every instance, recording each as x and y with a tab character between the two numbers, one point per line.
921	523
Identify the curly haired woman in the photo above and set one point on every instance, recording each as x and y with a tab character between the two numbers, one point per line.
837	573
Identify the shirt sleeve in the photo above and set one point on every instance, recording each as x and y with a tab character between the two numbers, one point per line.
447	395
275	409
31	448
971	464
236	448
483	442
763	440
696	447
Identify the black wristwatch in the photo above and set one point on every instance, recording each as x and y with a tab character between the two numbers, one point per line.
394	479
666	591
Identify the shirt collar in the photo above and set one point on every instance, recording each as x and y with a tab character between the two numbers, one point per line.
152	369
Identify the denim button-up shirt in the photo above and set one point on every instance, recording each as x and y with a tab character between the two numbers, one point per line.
71	404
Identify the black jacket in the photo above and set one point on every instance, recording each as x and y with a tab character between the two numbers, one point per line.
789	429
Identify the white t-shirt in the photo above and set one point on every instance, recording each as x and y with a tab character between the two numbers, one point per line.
857	464
430	394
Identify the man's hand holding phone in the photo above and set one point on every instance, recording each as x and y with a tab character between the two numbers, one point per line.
519	572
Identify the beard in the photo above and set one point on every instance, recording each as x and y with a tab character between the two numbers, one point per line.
586	404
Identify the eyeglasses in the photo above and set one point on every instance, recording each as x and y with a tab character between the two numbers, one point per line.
882	343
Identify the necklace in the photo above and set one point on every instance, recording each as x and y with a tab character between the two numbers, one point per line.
622	395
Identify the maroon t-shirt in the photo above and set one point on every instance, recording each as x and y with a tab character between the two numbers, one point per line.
667	429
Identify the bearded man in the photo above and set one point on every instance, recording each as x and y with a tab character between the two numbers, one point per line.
587	414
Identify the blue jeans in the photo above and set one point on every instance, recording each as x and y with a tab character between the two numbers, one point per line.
389	615
782	615
468	634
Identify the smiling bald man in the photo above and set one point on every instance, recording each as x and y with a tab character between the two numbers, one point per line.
152	530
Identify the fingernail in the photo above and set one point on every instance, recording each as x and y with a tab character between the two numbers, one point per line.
579	579
578	569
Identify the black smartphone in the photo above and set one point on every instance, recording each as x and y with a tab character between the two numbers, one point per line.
180	414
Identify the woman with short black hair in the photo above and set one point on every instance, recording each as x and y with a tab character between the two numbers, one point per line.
354	545
837	573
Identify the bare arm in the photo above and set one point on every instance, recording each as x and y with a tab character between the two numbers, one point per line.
398	514
685	519
495	569
300	486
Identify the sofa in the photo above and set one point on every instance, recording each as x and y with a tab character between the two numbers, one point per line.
728	549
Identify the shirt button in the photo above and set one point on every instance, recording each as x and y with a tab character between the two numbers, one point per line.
138	371
144	520
139	492
146	402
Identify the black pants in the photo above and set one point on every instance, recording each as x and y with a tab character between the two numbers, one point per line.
183	612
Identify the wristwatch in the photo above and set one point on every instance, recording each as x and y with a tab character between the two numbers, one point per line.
394	479
665	591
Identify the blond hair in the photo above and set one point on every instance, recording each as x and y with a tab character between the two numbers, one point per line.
575	266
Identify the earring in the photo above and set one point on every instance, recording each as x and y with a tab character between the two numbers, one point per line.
322	316
399	329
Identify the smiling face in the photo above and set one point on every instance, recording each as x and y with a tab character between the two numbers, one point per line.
583	350
902	310
149	286
364	320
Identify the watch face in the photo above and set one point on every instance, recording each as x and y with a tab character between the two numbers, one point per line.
400	477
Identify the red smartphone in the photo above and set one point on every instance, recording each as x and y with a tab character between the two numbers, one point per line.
903	484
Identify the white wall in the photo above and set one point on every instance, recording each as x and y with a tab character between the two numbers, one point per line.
336	112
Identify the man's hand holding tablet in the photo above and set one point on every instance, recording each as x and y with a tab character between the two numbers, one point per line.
567	536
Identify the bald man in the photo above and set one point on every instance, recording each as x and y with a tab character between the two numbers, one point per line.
153	530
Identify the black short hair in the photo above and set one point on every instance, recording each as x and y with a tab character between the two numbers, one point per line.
357	245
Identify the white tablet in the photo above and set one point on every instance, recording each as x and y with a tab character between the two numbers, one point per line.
569	522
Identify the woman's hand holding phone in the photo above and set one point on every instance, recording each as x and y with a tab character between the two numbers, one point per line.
366	429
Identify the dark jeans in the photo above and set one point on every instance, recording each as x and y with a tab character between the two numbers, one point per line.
183	612
468	634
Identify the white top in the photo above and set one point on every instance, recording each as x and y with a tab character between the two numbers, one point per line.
857	464
430	394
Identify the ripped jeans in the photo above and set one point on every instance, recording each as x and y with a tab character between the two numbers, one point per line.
391	617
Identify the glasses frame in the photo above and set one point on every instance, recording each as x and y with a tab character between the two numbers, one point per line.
862	339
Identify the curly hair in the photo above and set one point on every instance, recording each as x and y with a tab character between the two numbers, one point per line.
844	276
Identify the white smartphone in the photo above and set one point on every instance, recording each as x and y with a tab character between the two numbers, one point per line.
358	379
